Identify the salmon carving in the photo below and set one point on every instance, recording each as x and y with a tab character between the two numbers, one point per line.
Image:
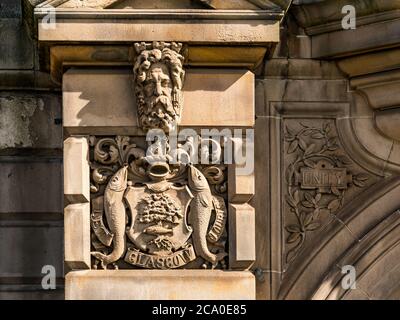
115	213
201	209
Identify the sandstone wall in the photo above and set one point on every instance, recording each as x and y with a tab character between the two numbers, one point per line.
31	221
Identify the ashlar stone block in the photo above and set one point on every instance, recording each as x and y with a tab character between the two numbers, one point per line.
218	98
241	187
242	249
159	285
103	101
77	235
76	170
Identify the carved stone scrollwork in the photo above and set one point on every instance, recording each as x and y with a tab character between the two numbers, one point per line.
151	212
319	179
158	82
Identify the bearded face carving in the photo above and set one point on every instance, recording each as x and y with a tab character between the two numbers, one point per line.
159	77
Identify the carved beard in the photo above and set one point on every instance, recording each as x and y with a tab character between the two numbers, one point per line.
160	112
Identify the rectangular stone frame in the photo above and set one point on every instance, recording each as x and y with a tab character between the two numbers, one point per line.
241	215
338	111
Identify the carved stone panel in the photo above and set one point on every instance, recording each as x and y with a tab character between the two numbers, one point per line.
150	212
320	178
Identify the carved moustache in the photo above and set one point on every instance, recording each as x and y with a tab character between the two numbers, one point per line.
164	101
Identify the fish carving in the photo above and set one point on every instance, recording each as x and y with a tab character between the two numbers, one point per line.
158	230
115	213
201	208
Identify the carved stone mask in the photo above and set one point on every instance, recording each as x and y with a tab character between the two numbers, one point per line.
159	78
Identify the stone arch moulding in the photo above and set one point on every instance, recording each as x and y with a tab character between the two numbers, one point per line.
375	259
347	226
361	227
364	142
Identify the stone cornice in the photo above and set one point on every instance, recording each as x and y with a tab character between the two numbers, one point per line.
104	37
212	4
163	14
325	12
377	24
361	21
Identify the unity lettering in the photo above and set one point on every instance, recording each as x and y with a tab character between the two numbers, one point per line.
316	178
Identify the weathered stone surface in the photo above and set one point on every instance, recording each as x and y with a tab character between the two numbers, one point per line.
31	187
374	260
10	9
100	102
29	121
77	235
174	4
76	170
26	79
28	245
30	292
305	90
370	63
237	4
260	202
15	46
311	13
394	157
15	119
137	4
388	122
242	251
300	46
302	69
349	42
223	56
370	139
381	88
112	55
159	285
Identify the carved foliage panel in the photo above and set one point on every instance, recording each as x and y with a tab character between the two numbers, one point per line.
319	179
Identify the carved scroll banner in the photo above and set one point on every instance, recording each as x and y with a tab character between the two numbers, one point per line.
176	260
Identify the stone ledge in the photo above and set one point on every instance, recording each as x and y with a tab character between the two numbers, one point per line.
159	285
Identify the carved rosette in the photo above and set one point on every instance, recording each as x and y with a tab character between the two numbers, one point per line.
320	180
149	211
158	82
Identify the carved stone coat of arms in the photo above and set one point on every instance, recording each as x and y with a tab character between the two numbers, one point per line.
149	213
